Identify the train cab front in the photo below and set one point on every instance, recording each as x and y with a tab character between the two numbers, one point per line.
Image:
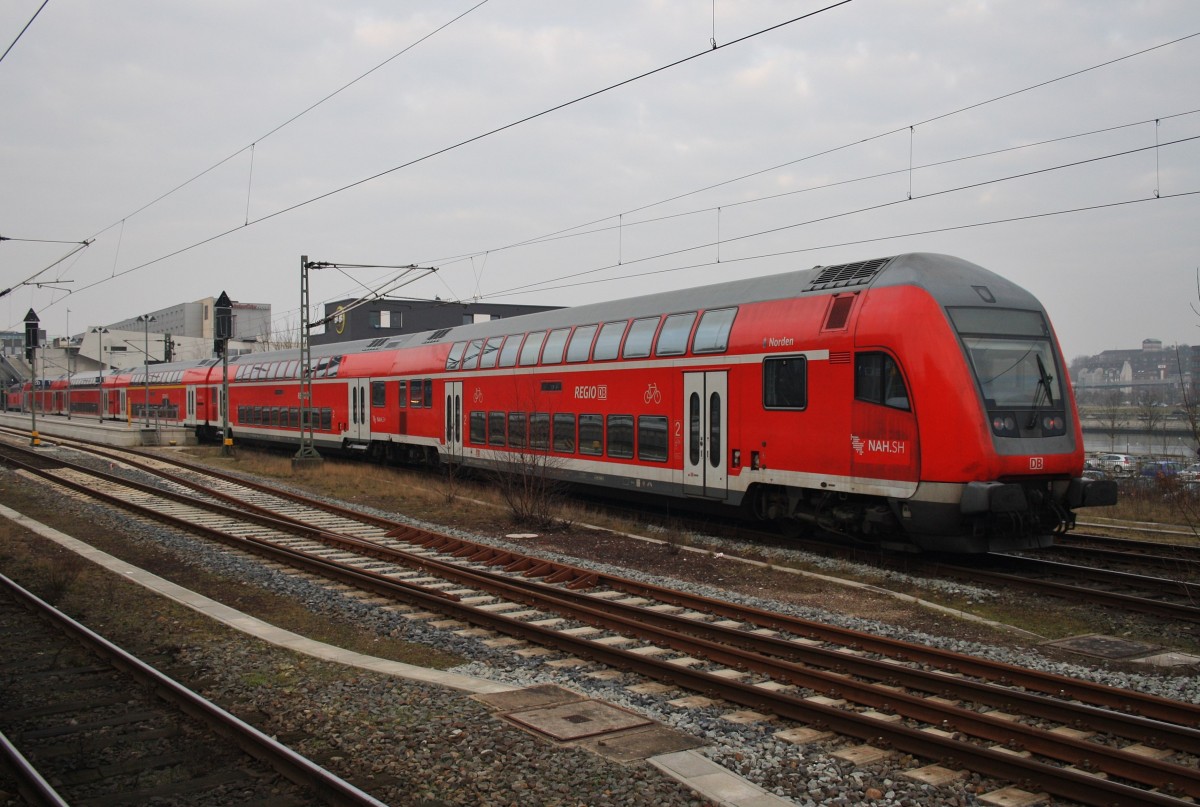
1037	482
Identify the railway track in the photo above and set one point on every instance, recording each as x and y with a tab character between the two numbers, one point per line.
85	723
998	720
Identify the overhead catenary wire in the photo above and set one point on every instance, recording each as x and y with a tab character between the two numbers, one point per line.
13	44
457	145
857	241
250	146
856	211
574	233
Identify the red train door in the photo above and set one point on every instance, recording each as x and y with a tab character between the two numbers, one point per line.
454	419
706	425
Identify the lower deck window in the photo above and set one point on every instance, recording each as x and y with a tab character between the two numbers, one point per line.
477	433
539	430
652	438
496	428
591	434
620	436
517	430
564	433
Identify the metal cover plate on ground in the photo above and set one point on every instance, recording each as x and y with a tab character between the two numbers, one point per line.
575	721
529	697
1101	646
641	743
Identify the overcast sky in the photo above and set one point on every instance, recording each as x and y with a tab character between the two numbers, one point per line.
794	147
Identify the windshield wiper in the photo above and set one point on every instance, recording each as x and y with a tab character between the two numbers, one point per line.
1043	388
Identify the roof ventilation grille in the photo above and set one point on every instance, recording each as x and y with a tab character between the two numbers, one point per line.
847	275
436	335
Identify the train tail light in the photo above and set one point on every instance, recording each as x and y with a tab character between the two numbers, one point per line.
736	460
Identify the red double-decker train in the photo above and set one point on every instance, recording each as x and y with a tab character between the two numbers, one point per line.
915	401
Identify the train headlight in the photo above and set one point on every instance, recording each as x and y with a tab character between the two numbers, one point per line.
1005	425
1053	424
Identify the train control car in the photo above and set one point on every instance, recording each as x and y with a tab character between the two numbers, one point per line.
916	401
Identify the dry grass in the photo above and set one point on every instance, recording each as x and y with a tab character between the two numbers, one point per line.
121	609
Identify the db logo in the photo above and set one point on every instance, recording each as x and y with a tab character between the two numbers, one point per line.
1037	463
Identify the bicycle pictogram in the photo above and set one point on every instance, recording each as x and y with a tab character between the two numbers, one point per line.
653	395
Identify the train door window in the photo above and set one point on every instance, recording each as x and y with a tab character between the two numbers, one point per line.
877	379
785	383
694	428
555	342
327	419
620	436
516	429
580	346
673	338
496	428
641	336
428	386
454	357
652	438
712	334
491	352
478	431
378	393
564	432
608	341
532	348
539	430
402	397
714	430
414	393
470	357
508	354
591	434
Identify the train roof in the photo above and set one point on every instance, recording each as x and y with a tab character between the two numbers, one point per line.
952	281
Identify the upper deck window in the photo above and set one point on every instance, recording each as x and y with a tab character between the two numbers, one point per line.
508	354
712	334
641	336
673	339
471	355
532	348
454	357
555	343
491	352
581	343
609	340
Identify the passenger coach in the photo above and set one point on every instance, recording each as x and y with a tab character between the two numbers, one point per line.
917	401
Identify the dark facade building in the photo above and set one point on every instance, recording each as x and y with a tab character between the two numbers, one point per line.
380	318
1164	371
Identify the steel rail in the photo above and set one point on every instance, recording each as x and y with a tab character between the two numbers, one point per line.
295	767
30	783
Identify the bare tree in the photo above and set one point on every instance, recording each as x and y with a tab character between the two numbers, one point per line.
1148	402
1112	415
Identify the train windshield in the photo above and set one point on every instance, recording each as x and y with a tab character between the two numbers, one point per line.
1012	356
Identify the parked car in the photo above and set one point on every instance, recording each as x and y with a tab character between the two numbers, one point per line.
1190	473
1116	464
1161	469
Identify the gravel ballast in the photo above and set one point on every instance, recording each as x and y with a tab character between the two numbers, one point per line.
410	743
